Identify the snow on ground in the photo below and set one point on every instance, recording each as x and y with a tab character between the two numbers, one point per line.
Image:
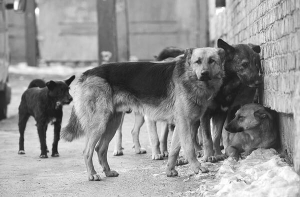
54	69
261	174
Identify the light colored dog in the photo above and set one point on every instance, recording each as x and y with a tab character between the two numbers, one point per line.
177	91
253	127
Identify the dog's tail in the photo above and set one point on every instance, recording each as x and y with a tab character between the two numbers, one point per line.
40	83
73	130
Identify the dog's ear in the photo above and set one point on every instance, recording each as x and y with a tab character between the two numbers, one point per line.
222	54
69	81
232	111
188	53
262	114
51	85
229	50
255	48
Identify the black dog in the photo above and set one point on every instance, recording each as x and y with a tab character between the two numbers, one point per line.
44	102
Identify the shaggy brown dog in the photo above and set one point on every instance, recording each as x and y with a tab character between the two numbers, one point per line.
177	91
253	127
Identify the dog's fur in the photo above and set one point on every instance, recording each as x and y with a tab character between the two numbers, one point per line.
158	144
242	76
169	91
253	127
44	102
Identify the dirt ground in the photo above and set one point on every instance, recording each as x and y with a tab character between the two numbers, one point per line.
28	175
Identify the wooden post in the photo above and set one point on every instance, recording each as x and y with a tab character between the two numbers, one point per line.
122	30
107	31
31	33
203	25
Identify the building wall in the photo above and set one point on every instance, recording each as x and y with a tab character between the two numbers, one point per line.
16	36
156	24
67	30
275	26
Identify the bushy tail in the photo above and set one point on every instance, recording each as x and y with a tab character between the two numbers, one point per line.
73	130
37	83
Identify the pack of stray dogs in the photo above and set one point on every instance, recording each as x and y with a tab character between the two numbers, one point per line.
187	90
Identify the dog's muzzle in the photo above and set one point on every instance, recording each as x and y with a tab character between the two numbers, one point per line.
204	76
233	129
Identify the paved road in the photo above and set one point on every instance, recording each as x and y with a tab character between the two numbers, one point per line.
28	175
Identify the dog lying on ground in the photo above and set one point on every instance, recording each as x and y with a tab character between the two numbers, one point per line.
242	77
253	127
44	102
168	91
158	144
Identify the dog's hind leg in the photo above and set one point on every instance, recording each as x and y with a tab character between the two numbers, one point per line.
118	139
102	145
154	140
42	129
138	123
94	136
23	118
164	139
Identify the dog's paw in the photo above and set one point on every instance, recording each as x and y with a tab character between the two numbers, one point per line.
140	151
211	159
55	155
94	177
165	153
221	157
111	173
181	161
171	172
199	154
43	156
157	157
196	167
21	152
118	153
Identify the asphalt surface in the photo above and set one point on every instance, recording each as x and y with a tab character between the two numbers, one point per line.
28	175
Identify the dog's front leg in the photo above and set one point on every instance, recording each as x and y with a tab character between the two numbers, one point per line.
57	127
218	120
206	136
185	130
42	128
173	155
154	140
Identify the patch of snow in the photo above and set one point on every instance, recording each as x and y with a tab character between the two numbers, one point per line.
261	174
54	69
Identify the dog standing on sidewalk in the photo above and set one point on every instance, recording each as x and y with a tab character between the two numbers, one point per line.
44	102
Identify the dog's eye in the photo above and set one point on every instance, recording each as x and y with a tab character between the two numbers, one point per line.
245	64
241	118
211	61
199	61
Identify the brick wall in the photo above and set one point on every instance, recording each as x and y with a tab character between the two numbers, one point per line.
275	26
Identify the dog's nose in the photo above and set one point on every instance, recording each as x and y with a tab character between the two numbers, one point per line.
205	73
71	99
257	82
227	128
